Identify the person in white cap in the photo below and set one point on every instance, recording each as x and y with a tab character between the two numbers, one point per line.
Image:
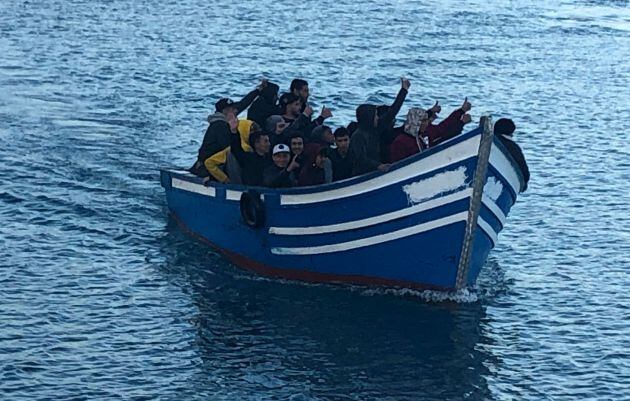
281	173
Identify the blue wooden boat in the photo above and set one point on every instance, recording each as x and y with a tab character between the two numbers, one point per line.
428	223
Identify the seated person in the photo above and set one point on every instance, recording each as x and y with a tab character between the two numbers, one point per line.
276	128
281	174
322	136
504	129
252	163
339	157
407	142
300	121
217	136
217	163
365	149
315	158
297	149
266	105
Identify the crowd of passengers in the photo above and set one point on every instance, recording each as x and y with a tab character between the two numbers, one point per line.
281	145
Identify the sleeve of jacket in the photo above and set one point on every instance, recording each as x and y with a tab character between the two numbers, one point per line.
386	121
247	100
213	164
360	161
450	127
273	178
237	148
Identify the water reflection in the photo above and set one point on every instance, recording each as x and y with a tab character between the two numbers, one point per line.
319	341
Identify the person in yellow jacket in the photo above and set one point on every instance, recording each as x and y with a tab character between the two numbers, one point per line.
214	164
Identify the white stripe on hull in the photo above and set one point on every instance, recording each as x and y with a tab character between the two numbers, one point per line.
445	158
503	165
495	209
487	228
192	187
375	240
233	195
370	221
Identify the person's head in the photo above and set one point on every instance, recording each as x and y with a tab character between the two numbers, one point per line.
367	118
281	155
416	121
342	140
226	106
321	157
352	127
299	87
270	92
290	104
272	124
259	141
323	134
297	144
504	126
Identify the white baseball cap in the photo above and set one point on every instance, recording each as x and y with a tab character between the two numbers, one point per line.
280	148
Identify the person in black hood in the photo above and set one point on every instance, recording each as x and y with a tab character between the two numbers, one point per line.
365	146
217	135
266	105
504	129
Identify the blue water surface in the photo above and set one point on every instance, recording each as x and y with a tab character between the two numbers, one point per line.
102	297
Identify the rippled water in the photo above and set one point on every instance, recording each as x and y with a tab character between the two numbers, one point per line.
102	297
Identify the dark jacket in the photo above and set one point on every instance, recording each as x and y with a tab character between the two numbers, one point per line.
302	125
342	165
517	154
217	136
266	105
252	164
276	177
386	121
365	145
310	174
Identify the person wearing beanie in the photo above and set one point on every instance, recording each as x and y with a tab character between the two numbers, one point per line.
276	128
281	174
265	105
365	150
339	157
504	129
217	136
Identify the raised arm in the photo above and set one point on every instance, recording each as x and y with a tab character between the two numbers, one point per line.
250	97
386	120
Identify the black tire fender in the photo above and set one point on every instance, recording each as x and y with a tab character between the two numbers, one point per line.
252	209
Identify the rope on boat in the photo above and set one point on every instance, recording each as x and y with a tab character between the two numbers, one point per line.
483	159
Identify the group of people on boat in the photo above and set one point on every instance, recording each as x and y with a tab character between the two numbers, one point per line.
281	145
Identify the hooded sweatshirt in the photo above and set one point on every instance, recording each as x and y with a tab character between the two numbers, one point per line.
216	139
266	105
310	174
365	146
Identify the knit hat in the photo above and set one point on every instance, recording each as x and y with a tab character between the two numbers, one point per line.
415	116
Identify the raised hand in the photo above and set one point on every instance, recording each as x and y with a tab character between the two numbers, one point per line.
326	112
466	118
384	167
293	165
466	106
308	111
436	108
405	83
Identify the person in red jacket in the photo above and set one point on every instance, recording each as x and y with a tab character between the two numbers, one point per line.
419	132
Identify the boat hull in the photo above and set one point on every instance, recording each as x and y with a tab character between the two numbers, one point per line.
404	228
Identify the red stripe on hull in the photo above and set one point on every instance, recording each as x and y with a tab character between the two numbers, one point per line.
304	275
